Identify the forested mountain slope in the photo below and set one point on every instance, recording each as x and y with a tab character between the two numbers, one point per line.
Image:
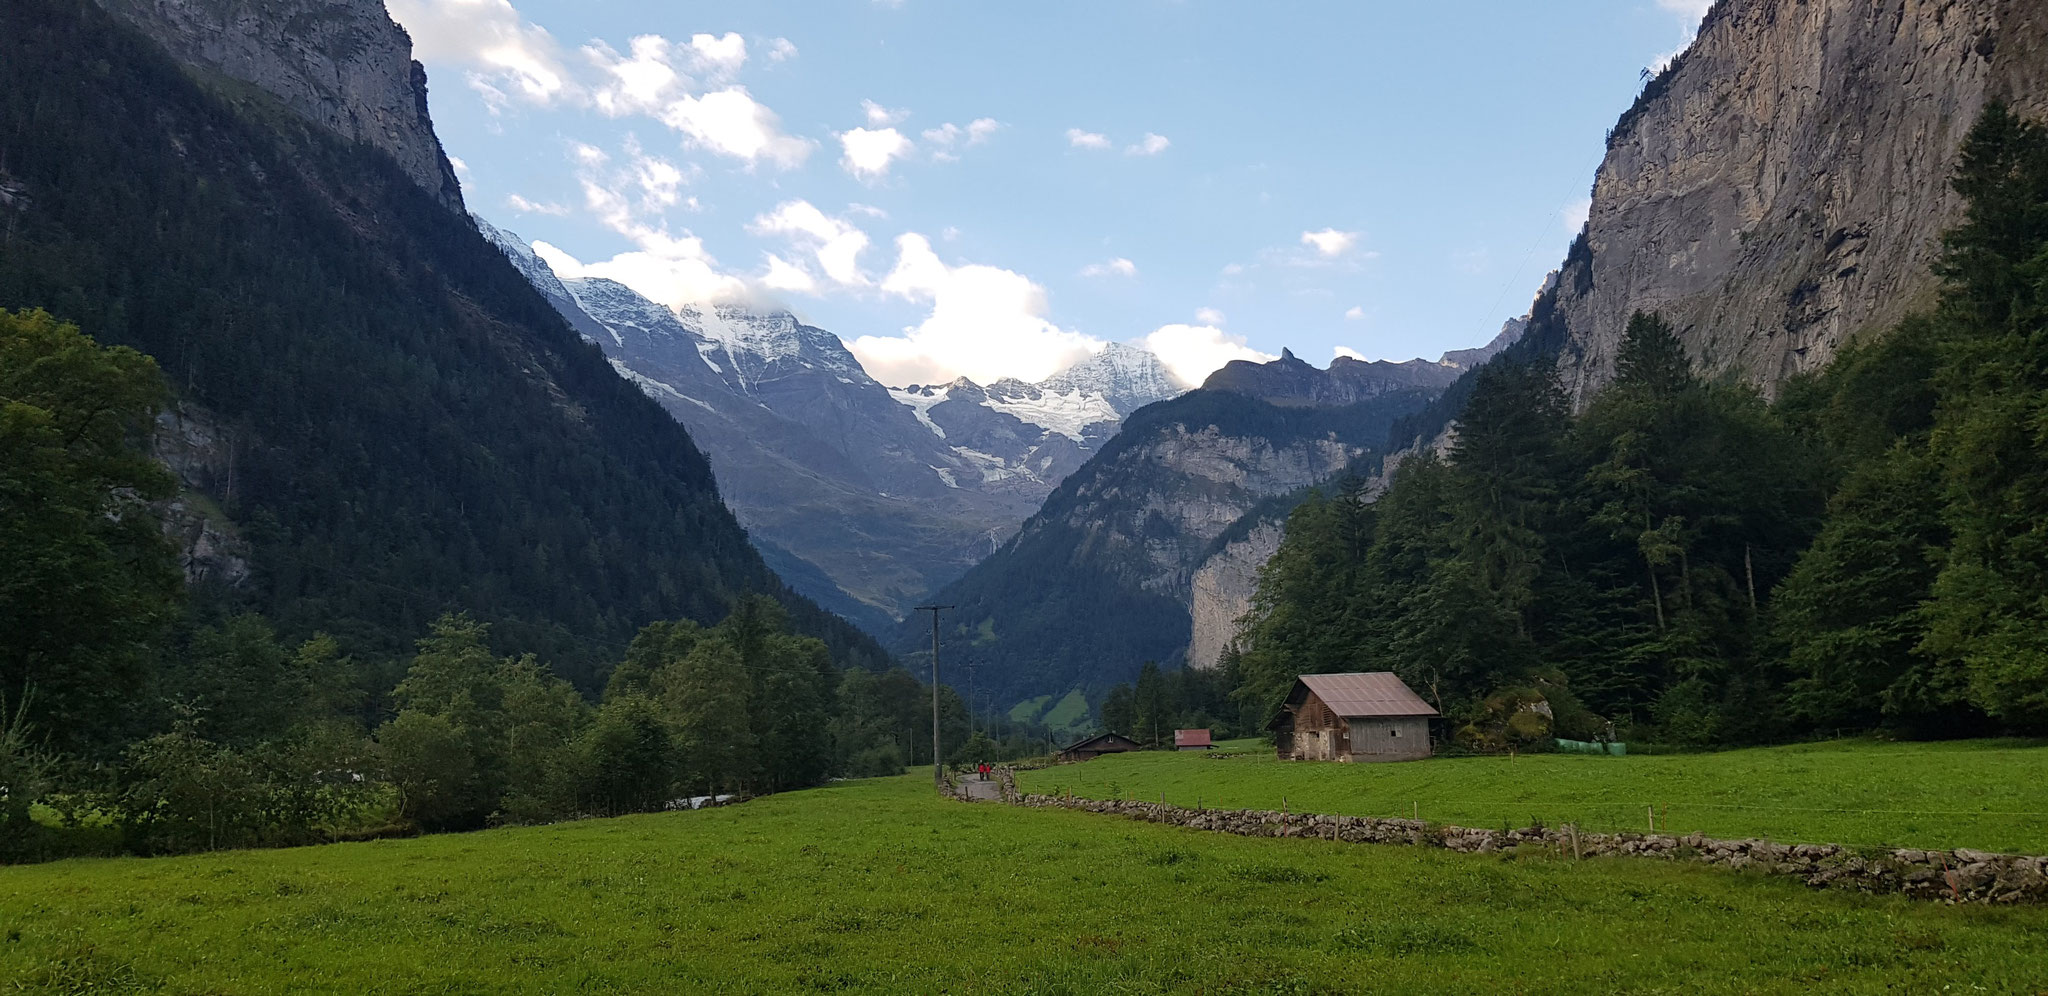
1099	581
1682	560
401	425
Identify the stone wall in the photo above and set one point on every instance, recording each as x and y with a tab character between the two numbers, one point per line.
1961	875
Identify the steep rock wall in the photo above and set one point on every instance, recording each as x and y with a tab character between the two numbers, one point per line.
1781	187
342	64
1222	592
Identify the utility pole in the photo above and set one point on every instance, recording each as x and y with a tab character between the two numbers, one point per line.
938	763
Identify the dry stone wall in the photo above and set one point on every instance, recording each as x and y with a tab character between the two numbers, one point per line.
1961	875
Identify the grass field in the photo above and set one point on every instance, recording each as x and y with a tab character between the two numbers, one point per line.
1986	794
880	886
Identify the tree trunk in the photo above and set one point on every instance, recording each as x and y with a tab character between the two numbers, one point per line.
1749	572
1656	594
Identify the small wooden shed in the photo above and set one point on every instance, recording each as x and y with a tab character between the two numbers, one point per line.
1192	740
1101	743
1352	717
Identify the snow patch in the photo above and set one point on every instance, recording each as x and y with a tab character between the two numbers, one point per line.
920	404
946	476
655	389
993	468
1066	413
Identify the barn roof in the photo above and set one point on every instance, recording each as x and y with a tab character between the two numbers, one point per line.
1115	741
1191	738
1378	693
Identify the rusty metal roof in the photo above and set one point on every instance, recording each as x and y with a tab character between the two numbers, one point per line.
1191	738
1379	693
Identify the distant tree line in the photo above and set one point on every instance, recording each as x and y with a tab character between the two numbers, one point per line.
1162	701
132	720
1686	562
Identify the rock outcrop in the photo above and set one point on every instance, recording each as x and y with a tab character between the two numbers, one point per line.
1292	382
342	64
202	455
1780	188
1222	591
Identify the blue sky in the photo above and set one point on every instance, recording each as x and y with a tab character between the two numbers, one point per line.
996	189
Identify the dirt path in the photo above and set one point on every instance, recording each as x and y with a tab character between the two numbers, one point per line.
973	789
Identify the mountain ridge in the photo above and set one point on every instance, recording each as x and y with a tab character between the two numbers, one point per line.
871	496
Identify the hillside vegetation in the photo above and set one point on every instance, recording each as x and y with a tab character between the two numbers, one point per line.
399	425
1094	584
882	887
1686	561
1986	794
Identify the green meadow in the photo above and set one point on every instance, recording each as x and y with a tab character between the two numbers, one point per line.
880	886
1986	794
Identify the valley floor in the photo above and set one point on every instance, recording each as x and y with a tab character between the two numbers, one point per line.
1985	794
881	886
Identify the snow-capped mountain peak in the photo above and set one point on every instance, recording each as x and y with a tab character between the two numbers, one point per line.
1127	377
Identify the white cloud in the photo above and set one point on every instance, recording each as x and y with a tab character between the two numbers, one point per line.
1209	316
524	206
883	117
461	168
1689	14
1193	352
1346	352
946	136
1574	215
1329	241
672	280
640	83
631	199
781	50
1150	145
1354	313
986	323
729	121
1118	267
870	151
784	275
833	243
719	56
506	56
1086	139
868	210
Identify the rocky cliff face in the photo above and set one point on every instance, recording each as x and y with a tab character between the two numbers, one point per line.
1222	592
342	64
1779	189
1290	381
1103	578
203	455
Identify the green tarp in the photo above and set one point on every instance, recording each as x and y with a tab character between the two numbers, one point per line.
1591	747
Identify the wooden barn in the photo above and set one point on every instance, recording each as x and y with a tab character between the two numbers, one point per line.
1192	740
1099	744
1352	717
